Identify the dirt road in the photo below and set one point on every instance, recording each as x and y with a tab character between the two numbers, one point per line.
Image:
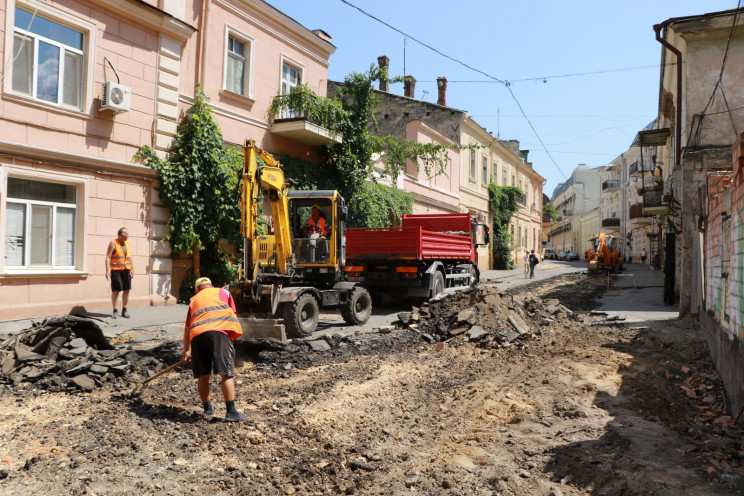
576	405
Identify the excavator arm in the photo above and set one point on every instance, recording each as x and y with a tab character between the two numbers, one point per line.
264	184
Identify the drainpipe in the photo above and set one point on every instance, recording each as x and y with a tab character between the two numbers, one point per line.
202	48
678	119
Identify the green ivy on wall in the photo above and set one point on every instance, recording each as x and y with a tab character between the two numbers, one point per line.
199	184
502	201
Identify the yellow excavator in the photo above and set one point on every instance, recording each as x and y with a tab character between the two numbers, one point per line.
297	268
603	254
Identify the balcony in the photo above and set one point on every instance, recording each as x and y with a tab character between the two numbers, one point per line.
560	229
611	222
611	185
635	169
567	213
635	213
653	201
303	116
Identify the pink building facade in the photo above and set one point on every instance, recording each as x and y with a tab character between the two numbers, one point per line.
84	85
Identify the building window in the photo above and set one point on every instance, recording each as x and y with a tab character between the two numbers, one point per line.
472	164
514	180
237	64
521	244
40	224
47	60
503	182
485	169
291	77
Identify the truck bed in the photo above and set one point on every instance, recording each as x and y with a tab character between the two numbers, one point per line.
406	243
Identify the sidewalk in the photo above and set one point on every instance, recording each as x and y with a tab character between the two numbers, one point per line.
641	304
156	321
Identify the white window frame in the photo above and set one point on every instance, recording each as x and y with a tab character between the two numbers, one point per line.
286	113
473	167
485	170
247	68
54	14
79	254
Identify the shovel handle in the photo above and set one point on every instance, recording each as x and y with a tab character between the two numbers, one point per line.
164	371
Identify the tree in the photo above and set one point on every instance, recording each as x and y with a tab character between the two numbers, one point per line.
548	208
199	184
502	201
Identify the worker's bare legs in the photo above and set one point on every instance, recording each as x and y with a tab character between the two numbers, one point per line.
203	387
124	298
228	387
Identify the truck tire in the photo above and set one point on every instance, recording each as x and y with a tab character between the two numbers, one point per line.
437	287
358	307
301	316
473	277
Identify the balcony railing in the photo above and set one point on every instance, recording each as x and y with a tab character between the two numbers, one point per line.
567	213
306	117
611	185
611	222
522	200
560	229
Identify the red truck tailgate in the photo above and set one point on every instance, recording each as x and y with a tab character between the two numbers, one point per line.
410	243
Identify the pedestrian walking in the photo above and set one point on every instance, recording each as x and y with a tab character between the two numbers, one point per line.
643	257
211	327
533	260
120	271
526	263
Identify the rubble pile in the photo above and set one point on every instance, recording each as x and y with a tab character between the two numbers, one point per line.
67	353
486	316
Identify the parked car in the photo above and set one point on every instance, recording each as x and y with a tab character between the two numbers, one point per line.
549	254
562	255
572	255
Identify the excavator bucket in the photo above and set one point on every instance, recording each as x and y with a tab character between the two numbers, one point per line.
592	267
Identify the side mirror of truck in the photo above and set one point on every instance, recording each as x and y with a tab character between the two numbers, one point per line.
343	212
482	233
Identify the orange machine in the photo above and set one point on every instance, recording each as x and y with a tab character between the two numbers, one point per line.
603	254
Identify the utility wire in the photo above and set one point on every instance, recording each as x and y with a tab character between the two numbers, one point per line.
545	78
494	78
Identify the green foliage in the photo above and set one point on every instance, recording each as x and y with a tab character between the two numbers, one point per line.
199	184
547	207
377	205
303	102
352	159
307	175
502	201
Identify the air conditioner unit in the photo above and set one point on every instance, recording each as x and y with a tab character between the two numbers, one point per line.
115	97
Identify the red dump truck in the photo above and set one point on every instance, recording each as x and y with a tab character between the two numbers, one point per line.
424	257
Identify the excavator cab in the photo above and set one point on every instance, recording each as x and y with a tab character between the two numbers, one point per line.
317	220
604	254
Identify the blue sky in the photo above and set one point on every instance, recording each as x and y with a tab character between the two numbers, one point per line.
585	73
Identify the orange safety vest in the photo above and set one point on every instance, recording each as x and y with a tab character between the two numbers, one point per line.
320	227
210	313
120	261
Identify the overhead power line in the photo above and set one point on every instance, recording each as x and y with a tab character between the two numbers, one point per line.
506	83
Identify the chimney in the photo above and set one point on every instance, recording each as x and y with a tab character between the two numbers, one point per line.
442	87
409	86
383	61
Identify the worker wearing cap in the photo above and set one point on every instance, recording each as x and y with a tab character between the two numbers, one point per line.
211	327
317	222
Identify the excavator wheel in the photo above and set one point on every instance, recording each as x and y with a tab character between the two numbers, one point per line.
358	307
301	316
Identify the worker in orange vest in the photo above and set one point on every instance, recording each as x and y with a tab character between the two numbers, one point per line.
317	222
211	327
120	270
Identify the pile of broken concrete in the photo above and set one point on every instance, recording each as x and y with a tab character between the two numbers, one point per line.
486	316
64	353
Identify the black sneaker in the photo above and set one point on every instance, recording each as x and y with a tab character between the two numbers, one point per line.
208	413
124	313
115	315
236	417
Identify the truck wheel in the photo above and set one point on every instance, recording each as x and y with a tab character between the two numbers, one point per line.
358	308
437	288
473	277
301	317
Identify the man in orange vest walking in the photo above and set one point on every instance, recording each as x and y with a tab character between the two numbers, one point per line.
211	327
120	270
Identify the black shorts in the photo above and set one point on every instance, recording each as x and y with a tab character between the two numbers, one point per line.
212	352
121	280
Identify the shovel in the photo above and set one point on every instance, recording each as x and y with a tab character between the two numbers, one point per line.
138	390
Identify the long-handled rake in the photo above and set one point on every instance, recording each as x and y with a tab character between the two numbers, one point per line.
138	390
